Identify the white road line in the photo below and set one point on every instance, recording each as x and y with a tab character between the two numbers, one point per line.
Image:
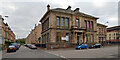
56	54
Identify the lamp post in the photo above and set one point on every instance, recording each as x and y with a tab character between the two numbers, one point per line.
106	28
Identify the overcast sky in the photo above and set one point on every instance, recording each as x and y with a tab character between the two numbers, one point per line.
24	14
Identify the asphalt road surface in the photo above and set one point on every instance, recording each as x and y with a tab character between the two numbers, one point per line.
104	52
25	52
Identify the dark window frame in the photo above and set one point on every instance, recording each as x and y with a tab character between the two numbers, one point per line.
58	19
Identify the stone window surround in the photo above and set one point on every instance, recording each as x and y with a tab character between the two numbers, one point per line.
61	21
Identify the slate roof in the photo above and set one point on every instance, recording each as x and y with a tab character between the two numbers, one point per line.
72	12
101	24
113	28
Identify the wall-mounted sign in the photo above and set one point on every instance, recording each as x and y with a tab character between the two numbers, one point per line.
63	38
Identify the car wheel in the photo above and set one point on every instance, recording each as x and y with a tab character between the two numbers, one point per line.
7	51
80	48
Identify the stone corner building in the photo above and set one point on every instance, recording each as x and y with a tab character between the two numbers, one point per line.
101	33
67	28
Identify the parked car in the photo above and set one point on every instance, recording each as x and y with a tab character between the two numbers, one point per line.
19	45
96	45
81	46
16	45
32	47
28	45
25	44
11	48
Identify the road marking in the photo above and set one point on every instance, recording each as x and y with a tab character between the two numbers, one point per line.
56	54
62	56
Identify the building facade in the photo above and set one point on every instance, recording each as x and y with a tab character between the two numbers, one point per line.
6	34
35	35
101	33
66	27
113	34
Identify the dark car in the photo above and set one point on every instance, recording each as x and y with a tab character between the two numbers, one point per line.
19	45
96	45
16	45
11	48
81	46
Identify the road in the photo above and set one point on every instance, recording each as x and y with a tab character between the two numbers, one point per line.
25	52
104	52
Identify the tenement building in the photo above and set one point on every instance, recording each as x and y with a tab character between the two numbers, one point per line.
113	34
66	27
35	35
6	33
101	33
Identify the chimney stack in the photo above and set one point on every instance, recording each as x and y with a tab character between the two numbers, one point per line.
48	7
35	25
76	10
69	8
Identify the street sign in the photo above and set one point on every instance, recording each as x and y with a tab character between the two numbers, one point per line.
65	38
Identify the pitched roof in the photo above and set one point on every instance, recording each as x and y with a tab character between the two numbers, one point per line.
113	28
101	24
72	12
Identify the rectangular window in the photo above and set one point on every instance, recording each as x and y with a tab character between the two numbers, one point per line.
114	37
58	21
88	24
58	36
85	38
109	34
91	38
99	30
85	22
77	22
66	22
109	38
62	21
91	25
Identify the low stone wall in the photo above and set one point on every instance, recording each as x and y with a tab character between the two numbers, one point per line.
59	45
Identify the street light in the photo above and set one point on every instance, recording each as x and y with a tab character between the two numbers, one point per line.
107	26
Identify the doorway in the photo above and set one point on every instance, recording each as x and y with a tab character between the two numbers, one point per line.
79	38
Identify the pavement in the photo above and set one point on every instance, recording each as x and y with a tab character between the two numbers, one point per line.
104	52
25	52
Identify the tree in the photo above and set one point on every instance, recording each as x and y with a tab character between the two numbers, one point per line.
21	41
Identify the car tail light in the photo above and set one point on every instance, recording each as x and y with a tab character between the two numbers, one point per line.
7	48
13	48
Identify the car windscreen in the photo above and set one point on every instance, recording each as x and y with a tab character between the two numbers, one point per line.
13	44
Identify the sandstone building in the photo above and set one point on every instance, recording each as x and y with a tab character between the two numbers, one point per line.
113	34
66	27
35	35
101	33
6	34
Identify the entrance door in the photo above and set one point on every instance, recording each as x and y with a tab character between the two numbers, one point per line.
79	39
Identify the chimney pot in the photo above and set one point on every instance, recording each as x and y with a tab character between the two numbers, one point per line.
48	7
76	10
69	8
